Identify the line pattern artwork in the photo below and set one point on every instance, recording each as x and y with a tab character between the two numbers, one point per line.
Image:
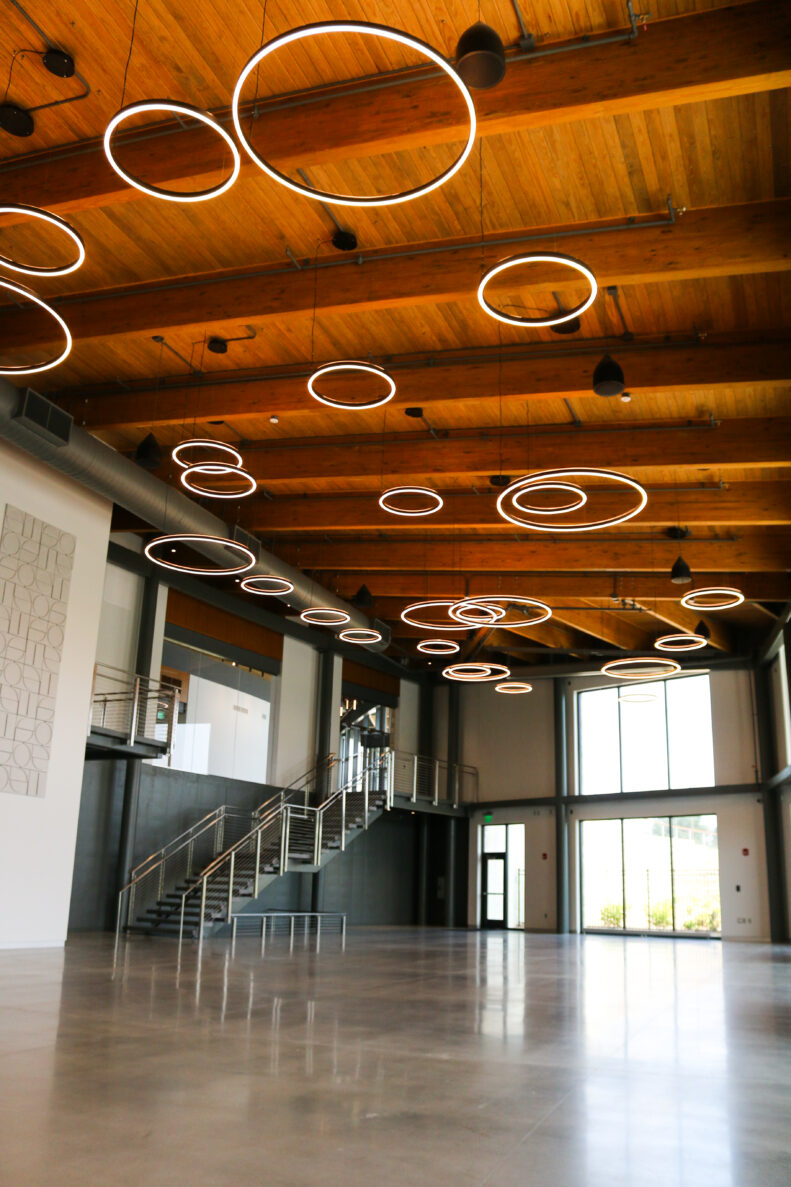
35	571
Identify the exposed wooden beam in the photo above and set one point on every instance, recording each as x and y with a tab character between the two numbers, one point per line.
690	59
679	618
718	241
548	634
391	590
768	551
602	624
650	370
743	443
731	504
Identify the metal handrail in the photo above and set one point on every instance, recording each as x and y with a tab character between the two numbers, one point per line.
302	782
174	844
127	699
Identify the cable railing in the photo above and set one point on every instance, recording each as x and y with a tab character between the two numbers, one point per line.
419	777
154	884
131	708
289	835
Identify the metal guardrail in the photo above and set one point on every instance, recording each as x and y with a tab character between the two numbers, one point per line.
418	777
265	916
131	707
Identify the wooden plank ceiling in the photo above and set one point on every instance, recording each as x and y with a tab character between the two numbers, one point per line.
662	162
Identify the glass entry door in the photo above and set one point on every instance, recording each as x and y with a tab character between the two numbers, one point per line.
493	906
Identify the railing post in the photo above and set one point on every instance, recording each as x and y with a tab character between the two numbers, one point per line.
436	781
343	819
366	773
130	905
414	778
161	886
390	778
202	913
135	708
285	818
317	831
257	862
230	886
189	857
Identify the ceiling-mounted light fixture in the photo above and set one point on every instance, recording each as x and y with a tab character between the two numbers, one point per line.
267	586
476	673
438	646
512	506
233	469
491	615
362	635
177	109
480	57
192	538
36	368
149	453
648	667
513	687
363	599
469	610
367	29
716	597
682	641
351	365
680	574
537	258
608	377
432	500
53	220
325	616
703	630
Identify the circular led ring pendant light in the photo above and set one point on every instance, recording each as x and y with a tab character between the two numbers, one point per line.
217	470
35	368
461	610
325	616
370	30
199	538
351	365
55	221
726	598
360	635
474	673
537	258
438	646
395	491
637	698
492	617
581	500
617	669
206	444
276	588
513	687
177	109
544	479
680	642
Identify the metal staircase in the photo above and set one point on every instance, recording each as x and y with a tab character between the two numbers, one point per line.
225	860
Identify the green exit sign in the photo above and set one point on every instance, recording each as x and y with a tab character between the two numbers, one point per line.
488	818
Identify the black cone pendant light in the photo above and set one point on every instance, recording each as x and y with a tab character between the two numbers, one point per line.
480	57
680	574
608	379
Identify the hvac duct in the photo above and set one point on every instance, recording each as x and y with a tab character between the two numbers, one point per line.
89	461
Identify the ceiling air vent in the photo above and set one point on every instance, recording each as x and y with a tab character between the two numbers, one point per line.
242	537
40	416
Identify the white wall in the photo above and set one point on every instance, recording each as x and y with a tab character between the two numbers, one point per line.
294	736
37	835
408	717
733	725
119	621
781	710
510	739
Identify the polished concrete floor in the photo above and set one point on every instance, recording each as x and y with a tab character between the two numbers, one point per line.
415	1057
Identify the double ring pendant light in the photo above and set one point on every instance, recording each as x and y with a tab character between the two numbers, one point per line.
512	503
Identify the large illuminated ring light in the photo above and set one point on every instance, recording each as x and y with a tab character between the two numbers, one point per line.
438	646
362	634
177	109
217	470
682	641
510	502
35	368
370	30
635	669
726	598
476	673
325	616
351	365
551	257
275	587
55	221
465	610
490	615
199	538
433	498
221	447
513	687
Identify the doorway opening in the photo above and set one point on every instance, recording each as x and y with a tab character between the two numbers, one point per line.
657	874
503	876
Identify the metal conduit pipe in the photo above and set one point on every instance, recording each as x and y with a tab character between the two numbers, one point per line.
109	474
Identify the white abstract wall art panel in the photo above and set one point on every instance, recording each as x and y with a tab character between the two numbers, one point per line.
35	570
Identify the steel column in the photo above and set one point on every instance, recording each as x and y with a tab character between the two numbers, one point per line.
561	822
772	807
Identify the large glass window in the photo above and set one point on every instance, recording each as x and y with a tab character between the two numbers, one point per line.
647	736
655	874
